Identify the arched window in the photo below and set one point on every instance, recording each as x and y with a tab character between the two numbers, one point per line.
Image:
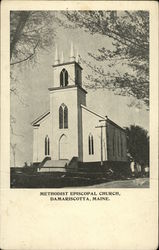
63	116
47	145
63	78
90	144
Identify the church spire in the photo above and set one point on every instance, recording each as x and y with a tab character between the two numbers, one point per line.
77	57
56	55
72	56
62	57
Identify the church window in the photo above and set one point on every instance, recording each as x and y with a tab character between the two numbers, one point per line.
90	144
63	78
60	117
63	116
47	145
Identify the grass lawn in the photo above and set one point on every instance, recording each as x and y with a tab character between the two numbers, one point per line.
132	183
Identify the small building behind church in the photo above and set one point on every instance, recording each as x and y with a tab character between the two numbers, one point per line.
70	130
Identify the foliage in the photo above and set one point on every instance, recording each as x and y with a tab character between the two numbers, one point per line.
138	144
29	32
129	32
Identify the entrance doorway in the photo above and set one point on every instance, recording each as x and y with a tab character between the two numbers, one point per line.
63	147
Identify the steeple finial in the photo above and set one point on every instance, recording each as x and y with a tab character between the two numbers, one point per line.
72	56
56	55
62	57
77	57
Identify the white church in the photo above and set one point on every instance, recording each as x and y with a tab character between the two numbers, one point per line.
70	130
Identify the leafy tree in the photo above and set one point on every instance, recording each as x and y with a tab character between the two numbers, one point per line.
30	31
138	144
129	32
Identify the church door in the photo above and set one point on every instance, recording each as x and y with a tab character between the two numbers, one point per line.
63	147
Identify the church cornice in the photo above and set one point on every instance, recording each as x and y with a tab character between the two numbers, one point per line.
104	118
68	87
91	111
67	63
37	120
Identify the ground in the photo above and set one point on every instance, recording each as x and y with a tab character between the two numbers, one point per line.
131	183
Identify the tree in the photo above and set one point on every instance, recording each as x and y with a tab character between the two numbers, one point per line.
129	32
13	147
30	31
138	144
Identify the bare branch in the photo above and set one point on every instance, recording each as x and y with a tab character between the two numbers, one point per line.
27	58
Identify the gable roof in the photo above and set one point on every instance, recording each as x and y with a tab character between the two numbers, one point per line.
40	118
114	124
103	117
94	113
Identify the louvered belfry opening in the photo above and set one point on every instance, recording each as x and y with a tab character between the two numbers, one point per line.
63	78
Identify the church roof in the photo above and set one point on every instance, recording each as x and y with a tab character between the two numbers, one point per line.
94	113
116	125
68	87
41	117
103	117
37	120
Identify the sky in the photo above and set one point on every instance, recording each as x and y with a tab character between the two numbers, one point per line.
33	95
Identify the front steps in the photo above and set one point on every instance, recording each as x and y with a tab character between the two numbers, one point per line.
74	166
54	166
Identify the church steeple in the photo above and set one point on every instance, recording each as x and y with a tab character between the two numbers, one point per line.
67	72
56	56
77	57
72	56
62	58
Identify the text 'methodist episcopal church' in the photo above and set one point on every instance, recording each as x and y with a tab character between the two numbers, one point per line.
69	129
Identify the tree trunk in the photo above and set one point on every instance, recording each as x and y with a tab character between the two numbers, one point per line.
20	26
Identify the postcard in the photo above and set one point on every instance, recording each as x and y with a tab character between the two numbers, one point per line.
79	125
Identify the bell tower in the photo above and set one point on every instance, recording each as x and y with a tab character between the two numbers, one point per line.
66	97
67	73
